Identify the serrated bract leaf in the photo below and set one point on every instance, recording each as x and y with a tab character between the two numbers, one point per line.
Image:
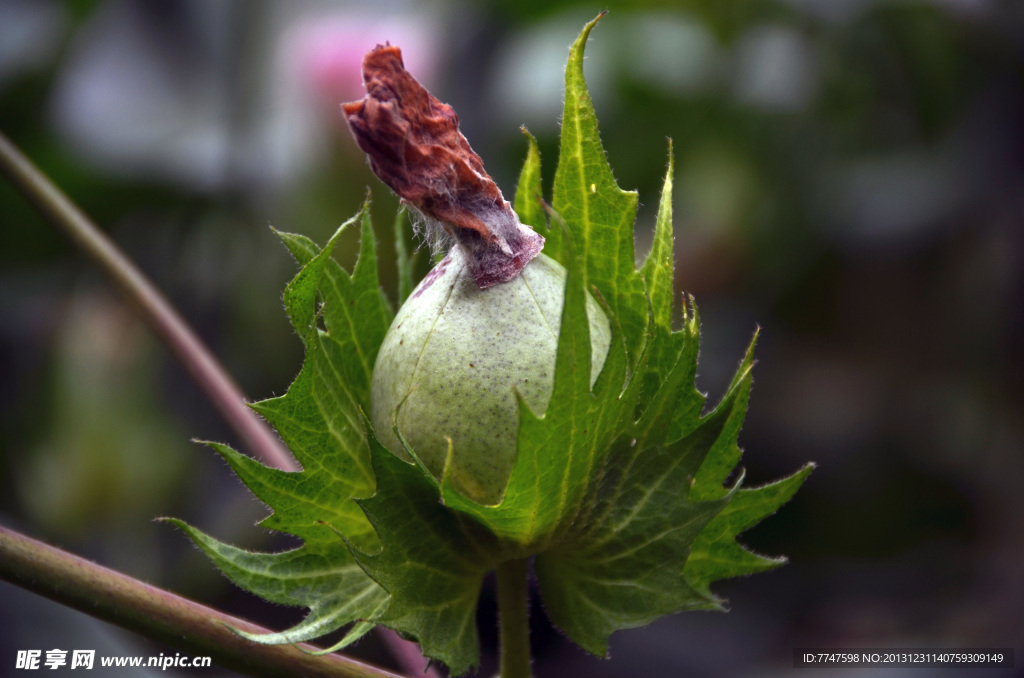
623	567
355	313
432	561
669	403
665	345
326	580
598	213
717	555
320	420
302	502
658	269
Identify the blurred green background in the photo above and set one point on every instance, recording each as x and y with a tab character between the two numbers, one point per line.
850	176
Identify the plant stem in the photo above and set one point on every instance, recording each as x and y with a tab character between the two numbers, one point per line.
137	606
149	302
514	618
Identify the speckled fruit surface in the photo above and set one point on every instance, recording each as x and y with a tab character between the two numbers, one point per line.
452	358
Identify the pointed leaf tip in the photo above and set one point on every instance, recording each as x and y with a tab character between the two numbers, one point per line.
529	200
600	215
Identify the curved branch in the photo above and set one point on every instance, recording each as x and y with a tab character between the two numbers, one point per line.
149	302
137	606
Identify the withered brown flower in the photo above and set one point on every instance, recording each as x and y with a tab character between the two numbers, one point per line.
415	147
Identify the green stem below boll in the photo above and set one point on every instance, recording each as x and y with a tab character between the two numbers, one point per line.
514	618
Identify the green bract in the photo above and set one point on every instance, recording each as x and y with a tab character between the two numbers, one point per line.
622	488
455	358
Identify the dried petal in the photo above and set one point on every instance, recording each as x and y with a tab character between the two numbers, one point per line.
415	147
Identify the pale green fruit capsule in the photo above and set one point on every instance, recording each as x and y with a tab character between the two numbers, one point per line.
484	323
454	358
